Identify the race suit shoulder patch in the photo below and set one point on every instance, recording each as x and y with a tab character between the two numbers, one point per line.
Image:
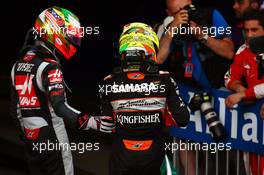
55	76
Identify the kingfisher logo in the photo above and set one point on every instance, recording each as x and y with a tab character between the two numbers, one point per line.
55	76
26	91
138	119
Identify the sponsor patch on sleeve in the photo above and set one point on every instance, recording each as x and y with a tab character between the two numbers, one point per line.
55	76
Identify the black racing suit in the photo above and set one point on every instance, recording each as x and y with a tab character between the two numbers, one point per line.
39	103
138	103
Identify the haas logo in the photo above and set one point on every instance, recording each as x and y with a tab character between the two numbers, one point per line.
26	91
55	76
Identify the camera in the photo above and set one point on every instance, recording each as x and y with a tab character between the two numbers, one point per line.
185	30
192	12
256	45
202	102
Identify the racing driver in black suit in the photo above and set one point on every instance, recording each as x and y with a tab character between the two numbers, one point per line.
38	90
142	100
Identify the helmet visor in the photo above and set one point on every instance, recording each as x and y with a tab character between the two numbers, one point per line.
74	35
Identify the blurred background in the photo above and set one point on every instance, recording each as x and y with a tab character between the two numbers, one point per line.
83	73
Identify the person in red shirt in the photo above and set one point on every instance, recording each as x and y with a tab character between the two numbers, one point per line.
245	67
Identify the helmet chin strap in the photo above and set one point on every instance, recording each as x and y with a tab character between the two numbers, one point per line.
53	52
